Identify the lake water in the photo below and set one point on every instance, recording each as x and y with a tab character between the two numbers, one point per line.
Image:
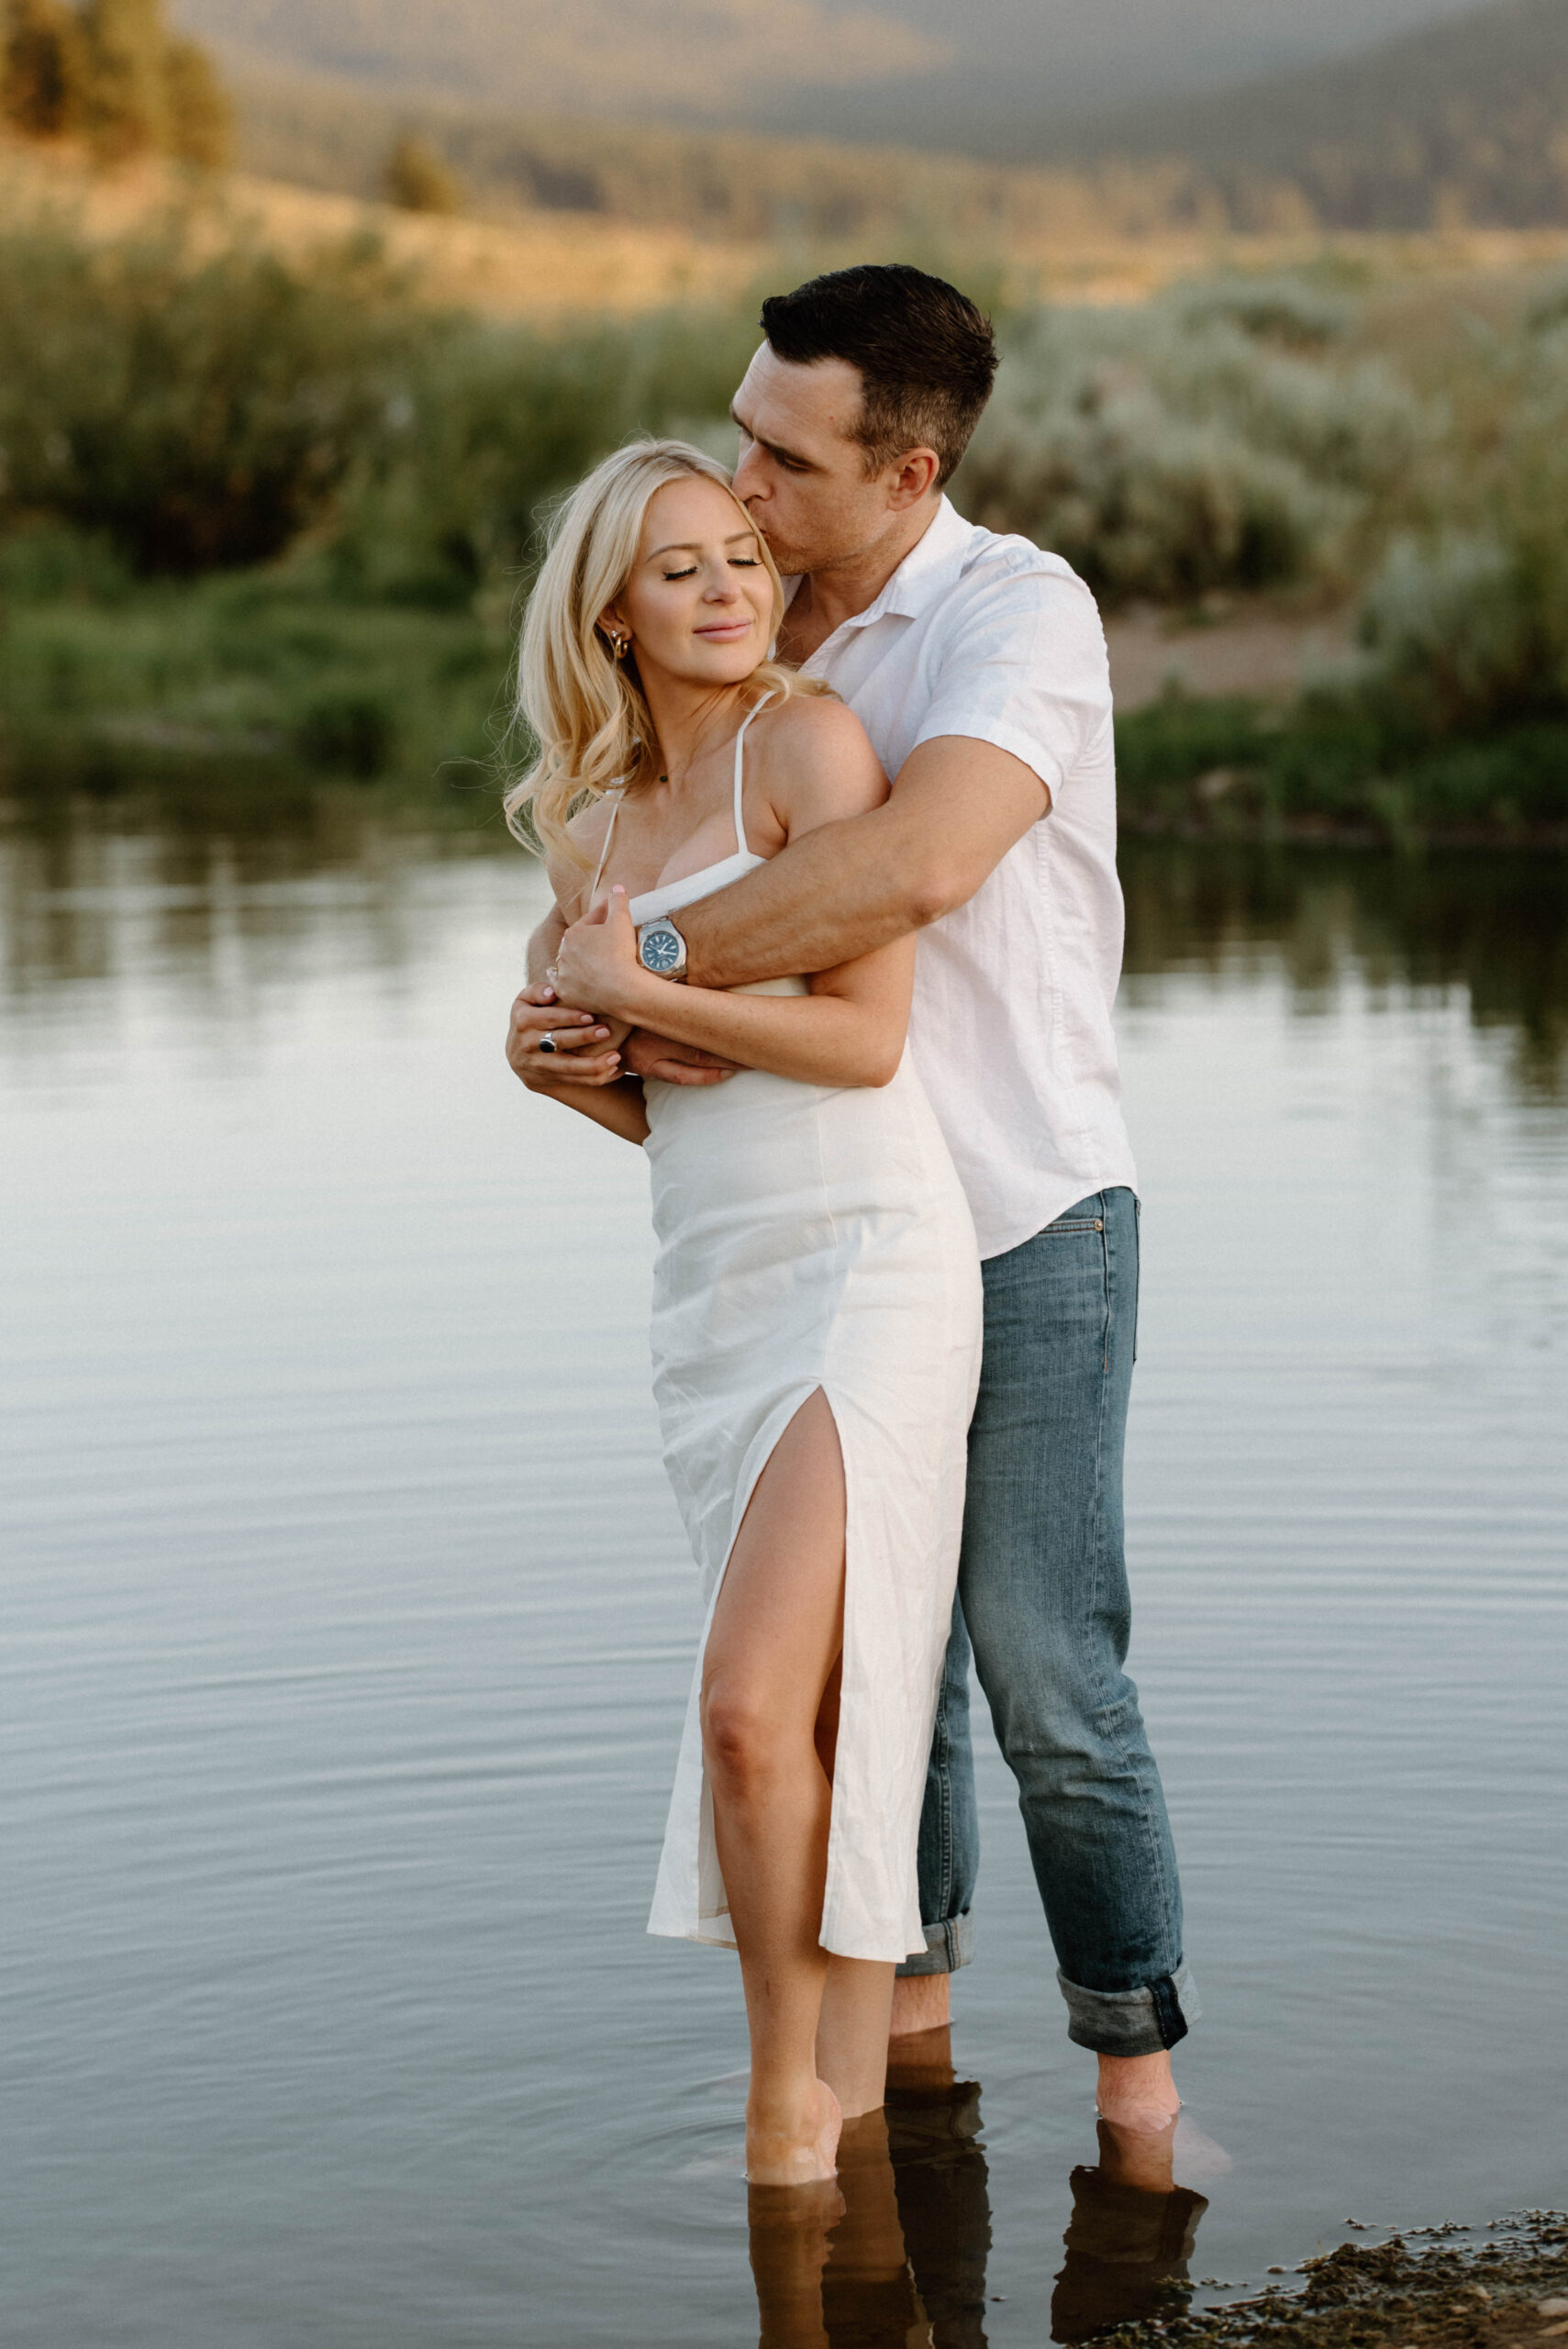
349	1622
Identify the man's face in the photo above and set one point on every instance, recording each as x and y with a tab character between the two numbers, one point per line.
801	475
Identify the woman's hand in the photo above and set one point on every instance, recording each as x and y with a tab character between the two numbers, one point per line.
549	1045
597	962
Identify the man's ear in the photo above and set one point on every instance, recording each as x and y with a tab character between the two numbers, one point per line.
912	478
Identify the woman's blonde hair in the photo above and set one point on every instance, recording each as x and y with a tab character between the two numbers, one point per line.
585	709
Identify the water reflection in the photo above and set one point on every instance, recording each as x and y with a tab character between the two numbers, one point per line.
1490	923
945	2203
353	1623
217	882
893	2256
212	877
1130	2239
895	2253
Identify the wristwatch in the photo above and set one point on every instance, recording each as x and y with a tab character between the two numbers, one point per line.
661	950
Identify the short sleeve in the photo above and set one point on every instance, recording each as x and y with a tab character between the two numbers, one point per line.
1022	664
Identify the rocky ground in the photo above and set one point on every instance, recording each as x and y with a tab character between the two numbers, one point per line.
1447	2291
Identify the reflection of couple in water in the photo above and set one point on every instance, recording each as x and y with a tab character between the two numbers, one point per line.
893	2254
897	1275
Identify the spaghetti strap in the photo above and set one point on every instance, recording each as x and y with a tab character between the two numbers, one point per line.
740	774
617	789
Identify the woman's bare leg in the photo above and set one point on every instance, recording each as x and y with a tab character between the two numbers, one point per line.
857	1998
772	1648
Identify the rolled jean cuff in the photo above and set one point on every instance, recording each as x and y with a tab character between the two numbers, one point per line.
948	1946
1131	2023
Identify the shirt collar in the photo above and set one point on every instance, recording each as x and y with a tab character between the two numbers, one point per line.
925	572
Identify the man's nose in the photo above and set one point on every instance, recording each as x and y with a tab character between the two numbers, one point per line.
749	472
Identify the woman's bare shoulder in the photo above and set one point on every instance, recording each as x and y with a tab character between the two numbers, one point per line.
816	760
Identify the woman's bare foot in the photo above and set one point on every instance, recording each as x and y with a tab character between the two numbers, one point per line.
789	2229
799	2150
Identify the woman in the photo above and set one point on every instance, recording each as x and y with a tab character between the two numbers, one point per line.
817	1301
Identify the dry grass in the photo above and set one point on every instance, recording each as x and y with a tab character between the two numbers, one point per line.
550	264
542	265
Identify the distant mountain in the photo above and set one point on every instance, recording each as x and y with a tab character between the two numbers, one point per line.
980	81
585	56
1466	121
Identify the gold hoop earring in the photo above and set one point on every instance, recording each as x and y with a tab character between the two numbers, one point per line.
620	646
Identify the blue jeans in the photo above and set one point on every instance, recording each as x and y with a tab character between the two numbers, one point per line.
1042	1597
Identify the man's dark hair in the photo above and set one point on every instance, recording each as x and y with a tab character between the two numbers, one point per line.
927	356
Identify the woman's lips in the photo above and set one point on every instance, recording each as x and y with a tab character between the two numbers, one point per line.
727	628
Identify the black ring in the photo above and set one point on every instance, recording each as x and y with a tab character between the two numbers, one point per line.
547	1042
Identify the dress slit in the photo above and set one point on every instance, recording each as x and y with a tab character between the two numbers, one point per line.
712	1905
816	1238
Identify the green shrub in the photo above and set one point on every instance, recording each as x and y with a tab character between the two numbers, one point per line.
418	177
351	729
1177	448
1469	617
494	422
195	413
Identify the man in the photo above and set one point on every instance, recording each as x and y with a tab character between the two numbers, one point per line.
977	665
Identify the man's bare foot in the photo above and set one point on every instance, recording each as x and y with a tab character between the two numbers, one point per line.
1136	2092
1139	2157
795	2151
920	2060
920	2002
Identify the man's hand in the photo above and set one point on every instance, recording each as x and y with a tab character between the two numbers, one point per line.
587	1048
656	1056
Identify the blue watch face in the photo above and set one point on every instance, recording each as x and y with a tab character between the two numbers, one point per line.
661	951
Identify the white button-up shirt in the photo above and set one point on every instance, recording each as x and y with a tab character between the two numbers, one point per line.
1011	1030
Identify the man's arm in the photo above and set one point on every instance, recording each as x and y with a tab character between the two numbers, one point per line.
584	1050
958	805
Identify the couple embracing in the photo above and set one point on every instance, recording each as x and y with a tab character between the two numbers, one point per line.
827	791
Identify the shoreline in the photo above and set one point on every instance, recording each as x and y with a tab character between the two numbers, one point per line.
1510	2291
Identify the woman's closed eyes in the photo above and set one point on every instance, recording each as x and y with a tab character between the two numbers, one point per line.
737	562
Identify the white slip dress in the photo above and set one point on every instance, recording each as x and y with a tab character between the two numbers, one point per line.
816	1237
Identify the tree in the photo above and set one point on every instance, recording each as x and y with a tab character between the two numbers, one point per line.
110	71
41	69
126	105
420	178
199	115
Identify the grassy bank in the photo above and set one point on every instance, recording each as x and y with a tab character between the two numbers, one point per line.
1357	766
259	509
249	671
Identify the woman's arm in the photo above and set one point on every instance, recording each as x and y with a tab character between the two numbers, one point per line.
618	1108
848	1030
814	765
596	1088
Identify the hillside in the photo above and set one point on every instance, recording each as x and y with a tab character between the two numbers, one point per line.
1463	121
541	265
601	57
718	184
881	71
1466	121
